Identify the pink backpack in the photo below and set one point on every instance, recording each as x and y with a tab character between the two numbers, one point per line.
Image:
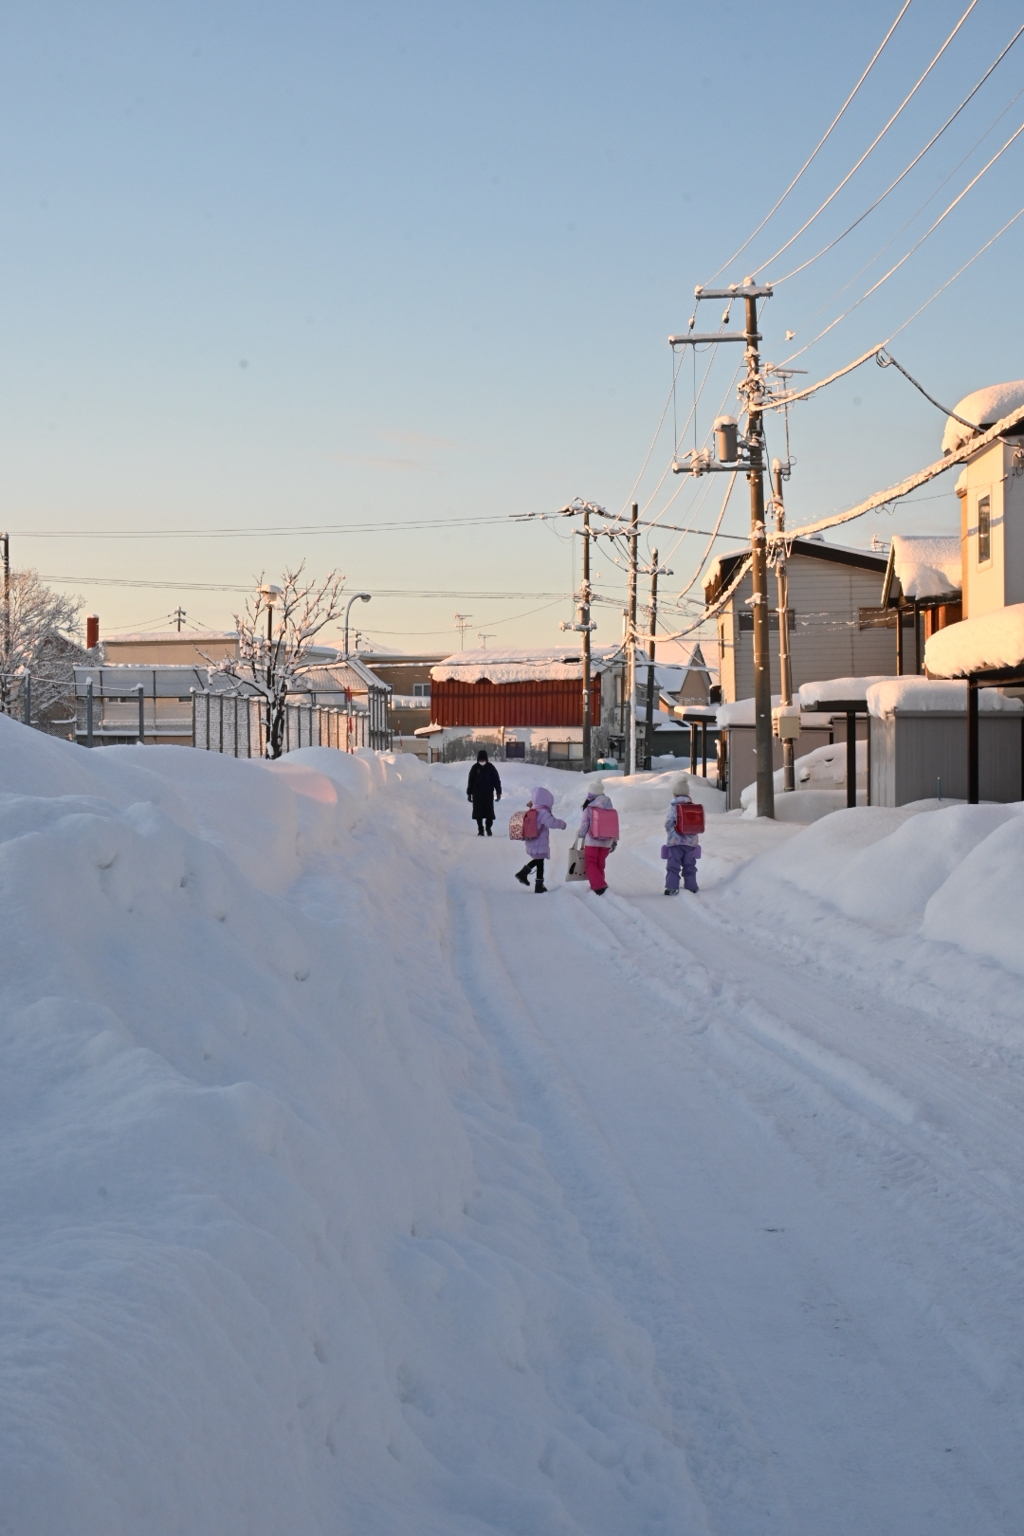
604	821
524	826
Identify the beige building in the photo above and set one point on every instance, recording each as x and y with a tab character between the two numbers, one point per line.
991	492
171	647
836	626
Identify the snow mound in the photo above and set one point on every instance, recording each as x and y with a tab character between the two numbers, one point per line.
927	567
952	873
821	772
984	408
277	1254
922	695
990	641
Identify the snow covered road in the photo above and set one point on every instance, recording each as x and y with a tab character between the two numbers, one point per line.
345	1187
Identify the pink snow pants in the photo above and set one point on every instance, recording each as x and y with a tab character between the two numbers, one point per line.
594	860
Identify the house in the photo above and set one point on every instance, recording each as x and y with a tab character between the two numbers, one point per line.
991	493
923	586
172	647
526	703
409	680
836	627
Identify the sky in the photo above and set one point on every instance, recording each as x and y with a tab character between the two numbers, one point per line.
407	272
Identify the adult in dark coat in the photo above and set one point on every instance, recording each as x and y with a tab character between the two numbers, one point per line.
482	789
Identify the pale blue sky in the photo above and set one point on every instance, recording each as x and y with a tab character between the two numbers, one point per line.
296	264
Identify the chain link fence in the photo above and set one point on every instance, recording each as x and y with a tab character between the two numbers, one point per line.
236	724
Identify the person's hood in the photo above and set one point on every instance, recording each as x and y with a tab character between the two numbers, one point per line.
601	800
543	797
688	798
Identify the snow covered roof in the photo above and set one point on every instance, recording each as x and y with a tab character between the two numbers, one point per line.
927	566
809	695
983	644
925	695
170	636
984	408
520	666
741	712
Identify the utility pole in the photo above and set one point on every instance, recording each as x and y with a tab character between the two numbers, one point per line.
634	535
758	568
5	541
649	729
462	624
785	663
585	622
178	617
729	447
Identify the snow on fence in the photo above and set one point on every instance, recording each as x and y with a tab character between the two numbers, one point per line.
236	724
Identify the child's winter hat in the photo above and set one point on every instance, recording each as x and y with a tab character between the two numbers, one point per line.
597	788
682	785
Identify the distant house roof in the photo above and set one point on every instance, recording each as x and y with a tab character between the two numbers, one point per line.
198	637
536	664
721	572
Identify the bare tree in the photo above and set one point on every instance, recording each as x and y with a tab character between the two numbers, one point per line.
275	636
40	636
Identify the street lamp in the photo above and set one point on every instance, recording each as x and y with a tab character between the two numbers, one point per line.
357	597
270	594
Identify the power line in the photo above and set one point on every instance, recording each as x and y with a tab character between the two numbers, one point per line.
916	247
819	146
873	145
274	531
906	172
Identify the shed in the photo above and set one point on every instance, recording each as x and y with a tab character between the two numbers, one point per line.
919	742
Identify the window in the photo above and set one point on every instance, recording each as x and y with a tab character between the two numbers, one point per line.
984	529
421	690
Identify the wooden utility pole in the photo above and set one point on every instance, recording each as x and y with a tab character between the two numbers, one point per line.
758	568
785	662
649	717
585	623
634	535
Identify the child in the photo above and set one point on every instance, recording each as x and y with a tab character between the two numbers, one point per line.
595	849
680	848
539	847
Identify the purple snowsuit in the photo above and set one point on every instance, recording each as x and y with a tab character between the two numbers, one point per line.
539	847
680	850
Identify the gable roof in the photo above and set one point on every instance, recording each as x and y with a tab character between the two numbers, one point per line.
812	549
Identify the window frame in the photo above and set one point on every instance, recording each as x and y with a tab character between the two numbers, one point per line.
986	502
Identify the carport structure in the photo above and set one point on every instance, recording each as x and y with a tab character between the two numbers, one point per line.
986	652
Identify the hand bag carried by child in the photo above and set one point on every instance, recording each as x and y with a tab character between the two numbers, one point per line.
523	826
689	818
604	821
577	863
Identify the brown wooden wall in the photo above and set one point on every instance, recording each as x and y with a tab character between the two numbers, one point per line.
553	702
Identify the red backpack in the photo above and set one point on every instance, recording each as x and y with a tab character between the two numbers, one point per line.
689	818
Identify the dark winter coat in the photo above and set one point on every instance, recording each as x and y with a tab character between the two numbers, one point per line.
482	787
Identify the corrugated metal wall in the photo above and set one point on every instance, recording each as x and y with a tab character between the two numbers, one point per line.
552	702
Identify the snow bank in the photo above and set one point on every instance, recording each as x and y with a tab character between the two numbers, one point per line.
822	771
984	408
856	688
921	695
275	1254
981	644
953	873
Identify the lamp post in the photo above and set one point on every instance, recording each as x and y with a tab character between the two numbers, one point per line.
270	595
357	597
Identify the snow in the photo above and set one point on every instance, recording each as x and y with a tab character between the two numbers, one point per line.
989	641
927	567
917	695
820	777
741	712
835	688
984	408
346	1189
520	666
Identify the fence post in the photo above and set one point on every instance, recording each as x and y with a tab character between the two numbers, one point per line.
88	713
192	696
207	720
28	698
142	715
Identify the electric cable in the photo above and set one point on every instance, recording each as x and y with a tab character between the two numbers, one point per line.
916	247
873	145
817	148
776	282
